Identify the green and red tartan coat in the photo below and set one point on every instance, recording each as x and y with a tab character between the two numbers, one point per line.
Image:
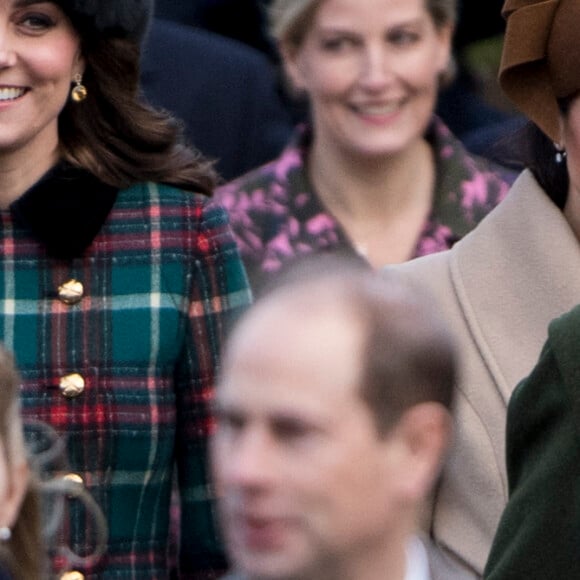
161	278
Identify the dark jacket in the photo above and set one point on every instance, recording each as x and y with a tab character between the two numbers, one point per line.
539	533
226	94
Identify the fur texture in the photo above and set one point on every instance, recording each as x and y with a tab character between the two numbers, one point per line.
118	18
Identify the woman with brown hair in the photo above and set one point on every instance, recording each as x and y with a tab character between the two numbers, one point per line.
115	283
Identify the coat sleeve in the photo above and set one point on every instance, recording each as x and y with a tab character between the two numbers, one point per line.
539	533
219	292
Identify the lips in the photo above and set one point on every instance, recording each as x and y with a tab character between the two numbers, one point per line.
11	93
261	533
377	109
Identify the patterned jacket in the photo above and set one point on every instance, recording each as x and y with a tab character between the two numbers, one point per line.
276	215
114	303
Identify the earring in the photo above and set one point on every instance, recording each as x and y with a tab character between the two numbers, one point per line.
560	154
5	534
79	91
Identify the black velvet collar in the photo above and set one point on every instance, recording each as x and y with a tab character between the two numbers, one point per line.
65	210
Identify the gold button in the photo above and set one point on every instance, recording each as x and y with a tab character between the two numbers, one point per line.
73	575
74	477
77	484
72	386
71	292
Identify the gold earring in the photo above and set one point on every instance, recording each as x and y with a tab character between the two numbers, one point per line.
79	91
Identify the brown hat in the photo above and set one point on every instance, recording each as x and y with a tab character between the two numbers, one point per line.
541	58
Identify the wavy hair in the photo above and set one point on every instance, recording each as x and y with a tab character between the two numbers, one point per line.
116	135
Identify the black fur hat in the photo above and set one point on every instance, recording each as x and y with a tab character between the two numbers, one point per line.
112	18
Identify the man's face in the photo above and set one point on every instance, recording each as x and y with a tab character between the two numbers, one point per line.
305	481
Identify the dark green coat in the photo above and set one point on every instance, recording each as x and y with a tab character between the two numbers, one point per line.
539	533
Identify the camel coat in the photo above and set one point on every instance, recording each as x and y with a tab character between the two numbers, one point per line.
498	288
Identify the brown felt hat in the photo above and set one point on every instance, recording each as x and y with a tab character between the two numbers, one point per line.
541	58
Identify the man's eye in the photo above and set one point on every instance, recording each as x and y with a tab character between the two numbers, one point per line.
337	44
403	37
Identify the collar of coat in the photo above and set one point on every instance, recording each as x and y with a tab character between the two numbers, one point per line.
65	210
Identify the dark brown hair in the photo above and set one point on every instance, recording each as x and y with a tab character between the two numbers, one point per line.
23	553
116	135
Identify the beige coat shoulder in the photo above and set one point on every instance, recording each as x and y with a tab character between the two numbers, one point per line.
498	289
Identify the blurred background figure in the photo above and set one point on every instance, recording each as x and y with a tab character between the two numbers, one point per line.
375	173
503	284
472	105
226	94
243	20
333	417
32	496
22	551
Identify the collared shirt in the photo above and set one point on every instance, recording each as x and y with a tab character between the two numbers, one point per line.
417	561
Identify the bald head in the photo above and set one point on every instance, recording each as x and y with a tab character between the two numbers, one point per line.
332	424
401	350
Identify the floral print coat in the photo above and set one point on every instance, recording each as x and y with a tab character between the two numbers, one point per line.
277	216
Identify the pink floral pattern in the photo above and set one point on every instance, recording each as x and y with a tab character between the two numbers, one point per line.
276	215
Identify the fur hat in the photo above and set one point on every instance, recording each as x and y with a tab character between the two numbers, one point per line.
112	18
541	58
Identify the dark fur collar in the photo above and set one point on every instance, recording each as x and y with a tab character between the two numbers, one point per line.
65	210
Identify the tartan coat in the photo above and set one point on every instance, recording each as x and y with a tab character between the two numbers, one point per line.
123	367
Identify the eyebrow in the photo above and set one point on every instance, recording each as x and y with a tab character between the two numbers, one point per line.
330	28
25	3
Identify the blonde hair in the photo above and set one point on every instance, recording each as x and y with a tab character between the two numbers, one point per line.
290	20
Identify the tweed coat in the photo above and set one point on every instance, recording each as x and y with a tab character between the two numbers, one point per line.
123	367
498	288
539	532
277	216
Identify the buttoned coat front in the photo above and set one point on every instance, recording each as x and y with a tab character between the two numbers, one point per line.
498	288
123	368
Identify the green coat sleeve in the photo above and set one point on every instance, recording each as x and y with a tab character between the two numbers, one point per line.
539	533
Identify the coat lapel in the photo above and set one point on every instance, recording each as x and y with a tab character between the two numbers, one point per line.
518	270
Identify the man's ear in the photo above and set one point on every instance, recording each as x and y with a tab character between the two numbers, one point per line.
425	432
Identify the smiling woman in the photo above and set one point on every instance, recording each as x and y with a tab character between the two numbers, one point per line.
117	278
374	173
34	84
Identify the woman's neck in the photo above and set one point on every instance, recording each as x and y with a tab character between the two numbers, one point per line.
381	204
363	188
19	172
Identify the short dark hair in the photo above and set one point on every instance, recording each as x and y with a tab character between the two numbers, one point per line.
408	354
